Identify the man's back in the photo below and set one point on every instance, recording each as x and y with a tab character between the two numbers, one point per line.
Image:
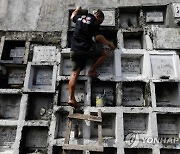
84	31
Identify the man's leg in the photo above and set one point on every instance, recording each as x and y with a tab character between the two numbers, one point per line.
92	72
71	87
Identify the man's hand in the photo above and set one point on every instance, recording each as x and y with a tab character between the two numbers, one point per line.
77	11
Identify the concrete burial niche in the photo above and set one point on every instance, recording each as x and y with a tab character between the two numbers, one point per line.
8	135
167	94
108	126
34	139
40	78
105	91
39	106
66	65
44	53
133	40
133	94
10	106
128	17
13	51
137	151
61	126
107	150
59	150
155	15
132	65
12	76
168	125
162	66
135	123
80	93
169	151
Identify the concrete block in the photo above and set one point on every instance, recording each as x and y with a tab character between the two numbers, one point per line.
176	10
40	78
162	66
79	93
109	18
44	54
133	94
167	94
138	151
131	65
35	137
16	76
170	151
61	126
39	107
128	20
154	16
168	125
104	90
108	126
166	38
9	106
107	68
8	135
136	123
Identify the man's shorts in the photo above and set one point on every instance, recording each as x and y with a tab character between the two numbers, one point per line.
79	58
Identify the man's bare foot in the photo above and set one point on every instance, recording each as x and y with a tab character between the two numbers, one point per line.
93	74
74	104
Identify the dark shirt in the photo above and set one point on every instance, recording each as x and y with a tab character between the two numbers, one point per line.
84	31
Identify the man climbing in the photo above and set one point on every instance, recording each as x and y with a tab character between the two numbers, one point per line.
83	47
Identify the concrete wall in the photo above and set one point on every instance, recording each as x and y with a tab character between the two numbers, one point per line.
51	15
138	90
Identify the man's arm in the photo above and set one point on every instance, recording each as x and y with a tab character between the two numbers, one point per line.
103	40
77	11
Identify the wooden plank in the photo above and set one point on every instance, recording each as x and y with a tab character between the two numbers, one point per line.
100	129
85	117
83	147
68	130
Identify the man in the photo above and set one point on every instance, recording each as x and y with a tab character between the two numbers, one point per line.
83	47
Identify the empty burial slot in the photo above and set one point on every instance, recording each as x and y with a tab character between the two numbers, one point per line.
7	137
133	40
135	123
34	139
103	94
10	106
59	150
155	15
69	38
13	50
168	125
169	151
128	17
80	93
137	151
107	150
133	94
40	77
12	76
61	126
39	106
108	126
132	64
167	94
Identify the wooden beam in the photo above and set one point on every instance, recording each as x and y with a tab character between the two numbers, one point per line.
83	147
85	117
99	129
